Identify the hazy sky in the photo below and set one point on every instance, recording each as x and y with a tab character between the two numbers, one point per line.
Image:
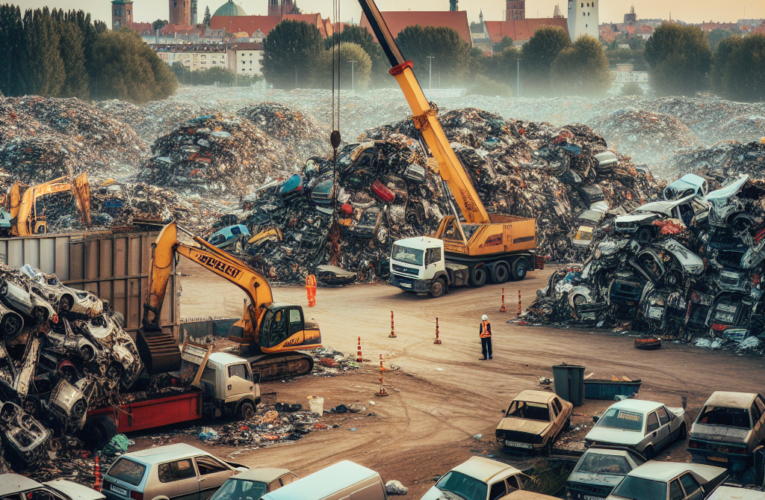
694	11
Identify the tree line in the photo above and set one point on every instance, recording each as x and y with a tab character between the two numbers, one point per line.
57	53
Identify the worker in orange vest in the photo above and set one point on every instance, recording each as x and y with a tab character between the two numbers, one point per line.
484	331
310	287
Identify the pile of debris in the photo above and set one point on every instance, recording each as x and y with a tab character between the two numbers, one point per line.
328	362
643	134
42	138
63	352
730	158
687	267
301	136
214	154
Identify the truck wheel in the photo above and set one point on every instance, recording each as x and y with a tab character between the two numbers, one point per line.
437	288
98	431
644	235
478	276
501	273
519	269
246	410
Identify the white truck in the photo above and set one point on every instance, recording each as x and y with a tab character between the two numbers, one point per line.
418	265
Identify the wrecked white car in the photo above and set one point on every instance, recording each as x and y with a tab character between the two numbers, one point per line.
27	302
66	300
16	487
23	433
11	323
640	222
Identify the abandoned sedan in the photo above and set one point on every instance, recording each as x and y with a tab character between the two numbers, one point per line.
599	471
534	421
728	429
16	487
477	479
645	426
669	481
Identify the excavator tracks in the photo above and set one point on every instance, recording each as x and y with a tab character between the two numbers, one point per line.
159	351
277	366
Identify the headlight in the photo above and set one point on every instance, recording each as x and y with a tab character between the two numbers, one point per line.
726	317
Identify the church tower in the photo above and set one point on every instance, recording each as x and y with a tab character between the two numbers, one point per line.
516	10
583	18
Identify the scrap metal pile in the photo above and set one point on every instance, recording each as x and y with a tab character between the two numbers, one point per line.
62	352
731	158
687	267
44	138
215	154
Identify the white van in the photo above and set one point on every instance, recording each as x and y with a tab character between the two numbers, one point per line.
344	480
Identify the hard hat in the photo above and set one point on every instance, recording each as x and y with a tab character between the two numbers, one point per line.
484	318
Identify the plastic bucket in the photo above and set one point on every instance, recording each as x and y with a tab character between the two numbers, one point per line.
317	404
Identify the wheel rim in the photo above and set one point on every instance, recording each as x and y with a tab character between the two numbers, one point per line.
438	288
502	274
480	276
247	411
11	326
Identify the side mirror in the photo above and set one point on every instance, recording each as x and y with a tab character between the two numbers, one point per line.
595	419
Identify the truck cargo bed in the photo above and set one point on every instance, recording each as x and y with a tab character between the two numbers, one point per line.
155	412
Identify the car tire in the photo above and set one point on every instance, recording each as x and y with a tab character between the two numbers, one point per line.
98	431
501	273
65	304
519	269
437	288
478	276
10	326
246	410
644	235
673	279
648	453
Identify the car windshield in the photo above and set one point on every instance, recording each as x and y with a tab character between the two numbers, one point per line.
240	489
462	485
532	411
128	471
598	463
637	488
620	419
729	417
408	255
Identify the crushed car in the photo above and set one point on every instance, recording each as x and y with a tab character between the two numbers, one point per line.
533	421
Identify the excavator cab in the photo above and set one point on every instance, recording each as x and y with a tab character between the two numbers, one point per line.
284	329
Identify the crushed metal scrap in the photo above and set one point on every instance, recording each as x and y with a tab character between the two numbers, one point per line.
688	267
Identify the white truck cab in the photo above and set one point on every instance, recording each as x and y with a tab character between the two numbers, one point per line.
418	265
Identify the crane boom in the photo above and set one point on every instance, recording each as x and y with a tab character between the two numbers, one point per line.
426	122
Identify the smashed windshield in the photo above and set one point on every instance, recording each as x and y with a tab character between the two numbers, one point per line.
408	255
636	488
729	417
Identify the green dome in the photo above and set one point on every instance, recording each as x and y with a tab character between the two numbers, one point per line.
229	9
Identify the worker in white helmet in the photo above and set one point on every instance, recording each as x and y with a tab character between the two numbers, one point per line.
484	331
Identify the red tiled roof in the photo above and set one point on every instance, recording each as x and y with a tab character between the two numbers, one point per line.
723	26
630	28
759	29
142	28
251	24
170	29
398	20
246	46
521	31
607	34
645	29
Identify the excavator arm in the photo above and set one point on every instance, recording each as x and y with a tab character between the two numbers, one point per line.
22	207
426	121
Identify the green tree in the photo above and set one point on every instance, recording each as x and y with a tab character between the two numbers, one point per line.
716	36
43	67
503	44
581	69
289	53
321	75
538	55
720	60
159	23
680	59
483	85
73	57
206	19
11	47
632	88
476	27
129	70
380	65
744	78
451	54
502	66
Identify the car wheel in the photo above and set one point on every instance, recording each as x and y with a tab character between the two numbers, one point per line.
674	279
437	288
98	431
519	269
648	453
65	304
11	326
478	276
501	273
644	235
246	410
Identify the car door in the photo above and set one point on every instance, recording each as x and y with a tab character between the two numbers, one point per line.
554	416
178	480
651	431
676	490
497	490
692	487
760	424
212	475
665	427
238	381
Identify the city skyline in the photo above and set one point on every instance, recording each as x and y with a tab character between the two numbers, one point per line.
612	11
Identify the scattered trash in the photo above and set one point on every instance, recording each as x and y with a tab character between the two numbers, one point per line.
478	437
394	487
118	445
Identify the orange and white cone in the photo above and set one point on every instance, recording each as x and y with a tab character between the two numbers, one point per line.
359	359
438	340
392	329
382	385
503	309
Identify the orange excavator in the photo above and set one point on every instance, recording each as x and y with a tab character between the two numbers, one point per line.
21	207
272	333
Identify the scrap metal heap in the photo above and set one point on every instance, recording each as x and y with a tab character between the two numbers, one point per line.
689	267
62	352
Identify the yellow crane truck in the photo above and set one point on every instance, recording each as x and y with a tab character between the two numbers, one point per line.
486	246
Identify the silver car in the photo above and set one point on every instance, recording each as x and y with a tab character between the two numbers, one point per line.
15	487
645	426
669	481
175	471
27	302
66	300
11	323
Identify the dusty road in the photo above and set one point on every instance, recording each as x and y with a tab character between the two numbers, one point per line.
443	394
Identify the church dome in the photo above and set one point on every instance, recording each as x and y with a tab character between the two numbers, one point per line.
229	9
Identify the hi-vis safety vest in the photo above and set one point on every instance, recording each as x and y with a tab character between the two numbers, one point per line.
485	333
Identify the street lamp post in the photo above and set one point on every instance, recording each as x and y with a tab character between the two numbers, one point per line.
430	72
353	86
518	78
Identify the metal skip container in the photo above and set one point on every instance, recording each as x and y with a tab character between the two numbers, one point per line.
569	383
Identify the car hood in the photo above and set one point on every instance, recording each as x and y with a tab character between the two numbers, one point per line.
721	433
436	494
590	478
74	490
614	436
523	425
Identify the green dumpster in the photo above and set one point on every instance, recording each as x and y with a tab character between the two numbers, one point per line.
569	383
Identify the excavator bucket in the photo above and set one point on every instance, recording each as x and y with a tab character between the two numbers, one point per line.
158	351
81	190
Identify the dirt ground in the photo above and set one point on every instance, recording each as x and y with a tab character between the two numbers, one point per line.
442	395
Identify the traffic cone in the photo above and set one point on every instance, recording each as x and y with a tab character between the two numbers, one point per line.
358	355
503	309
438	340
519	303
382	386
97	473
392	330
